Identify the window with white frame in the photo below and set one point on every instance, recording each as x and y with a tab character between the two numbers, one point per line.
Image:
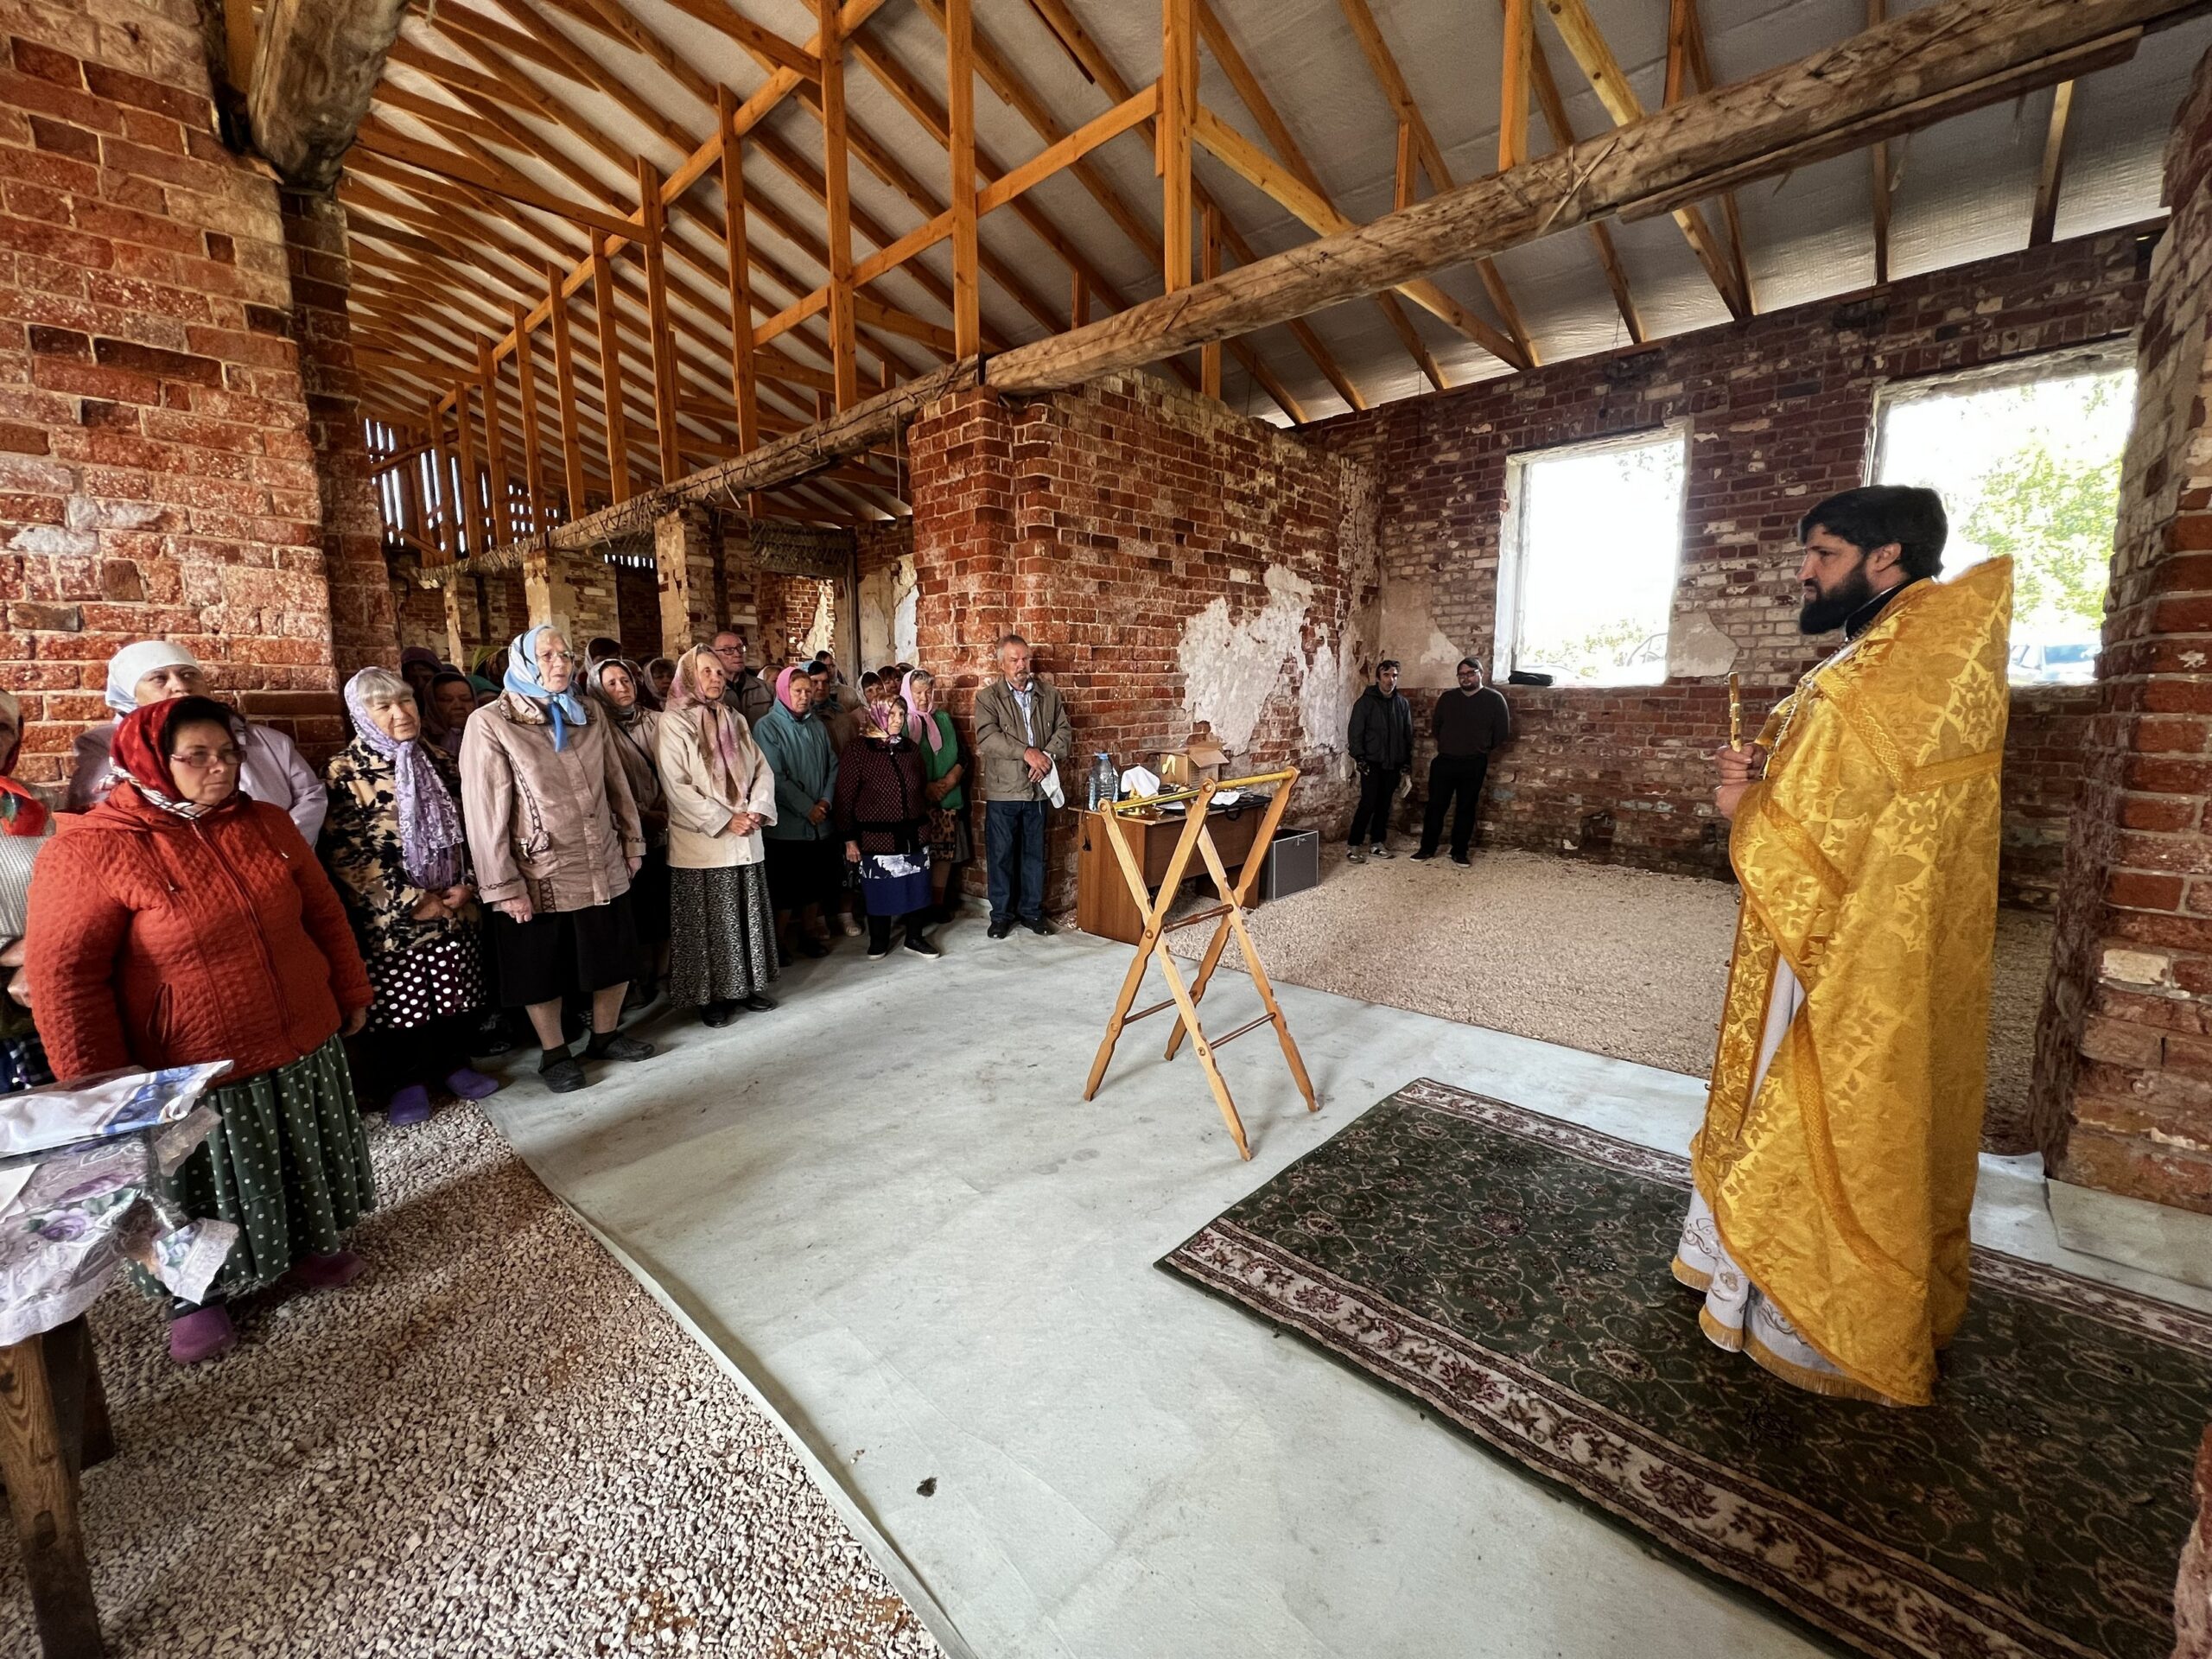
1592	547
2027	460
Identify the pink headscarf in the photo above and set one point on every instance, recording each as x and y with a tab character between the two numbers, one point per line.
720	745
916	720
784	688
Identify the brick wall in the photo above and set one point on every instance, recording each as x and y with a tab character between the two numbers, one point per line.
1167	560
790	610
157	457
2123	1087
1780	411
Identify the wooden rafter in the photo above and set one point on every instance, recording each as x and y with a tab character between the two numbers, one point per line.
1561	129
1384	63
2045	220
1588	48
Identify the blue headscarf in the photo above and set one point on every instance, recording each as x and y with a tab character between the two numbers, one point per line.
566	709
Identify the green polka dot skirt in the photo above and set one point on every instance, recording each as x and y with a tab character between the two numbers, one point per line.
289	1163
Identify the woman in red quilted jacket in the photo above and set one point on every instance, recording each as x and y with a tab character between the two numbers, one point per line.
179	921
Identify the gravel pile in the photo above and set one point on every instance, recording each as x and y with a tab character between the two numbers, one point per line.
1598	956
495	1443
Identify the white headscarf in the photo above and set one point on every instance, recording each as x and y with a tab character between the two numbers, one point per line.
133	663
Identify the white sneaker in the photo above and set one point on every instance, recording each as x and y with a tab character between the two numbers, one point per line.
1381	851
1353	856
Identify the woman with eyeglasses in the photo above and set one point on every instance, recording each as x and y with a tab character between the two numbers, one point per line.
555	837
153	670
182	921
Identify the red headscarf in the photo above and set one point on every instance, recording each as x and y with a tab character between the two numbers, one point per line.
137	755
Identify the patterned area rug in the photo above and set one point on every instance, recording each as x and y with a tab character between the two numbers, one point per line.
1509	1271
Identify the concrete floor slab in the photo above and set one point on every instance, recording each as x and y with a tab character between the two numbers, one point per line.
888	1204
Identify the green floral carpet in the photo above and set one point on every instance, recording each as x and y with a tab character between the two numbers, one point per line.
1509	1271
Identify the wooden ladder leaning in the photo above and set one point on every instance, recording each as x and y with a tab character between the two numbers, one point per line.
1228	916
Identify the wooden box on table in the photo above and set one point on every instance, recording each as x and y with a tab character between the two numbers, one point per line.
1103	903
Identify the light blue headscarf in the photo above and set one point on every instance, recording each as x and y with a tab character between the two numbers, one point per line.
567	710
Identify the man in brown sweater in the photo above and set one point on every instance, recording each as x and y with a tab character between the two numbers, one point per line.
1468	724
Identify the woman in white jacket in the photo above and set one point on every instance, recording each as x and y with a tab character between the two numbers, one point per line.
719	791
154	670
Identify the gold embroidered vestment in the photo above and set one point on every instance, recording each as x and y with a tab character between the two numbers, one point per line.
1868	860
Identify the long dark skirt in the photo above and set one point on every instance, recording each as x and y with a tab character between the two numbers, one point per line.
723	945
290	1163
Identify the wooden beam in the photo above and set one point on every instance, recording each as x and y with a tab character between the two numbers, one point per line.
1178	106
1876	14
1245	158
1936	62
1684	18
532	435
1588	48
960	116
315	68
1209	268
2045	220
495	445
1562	131
658	338
836	204
1513	85
760	41
1132	112
380	140
743	388
472	495
610	375
441	499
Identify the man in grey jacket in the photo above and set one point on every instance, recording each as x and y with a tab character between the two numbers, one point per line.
1021	739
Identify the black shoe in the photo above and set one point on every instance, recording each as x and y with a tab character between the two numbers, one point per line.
717	1014
613	1045
489	1043
1039	925
811	946
641	992
759	1003
999	930
1425	854
1461	858
922	947
565	1076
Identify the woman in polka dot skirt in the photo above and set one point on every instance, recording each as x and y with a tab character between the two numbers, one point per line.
393	843
182	921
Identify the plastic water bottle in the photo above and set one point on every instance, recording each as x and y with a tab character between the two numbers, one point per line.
1105	782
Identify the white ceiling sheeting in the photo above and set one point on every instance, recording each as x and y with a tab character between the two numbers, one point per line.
1963	190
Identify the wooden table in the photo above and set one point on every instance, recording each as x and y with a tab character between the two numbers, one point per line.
1104	903
53	1424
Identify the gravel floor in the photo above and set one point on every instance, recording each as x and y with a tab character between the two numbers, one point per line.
1598	956
495	1443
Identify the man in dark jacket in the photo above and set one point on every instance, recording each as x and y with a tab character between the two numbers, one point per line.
1381	747
1468	724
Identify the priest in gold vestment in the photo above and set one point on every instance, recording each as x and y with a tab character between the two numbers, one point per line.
1835	1170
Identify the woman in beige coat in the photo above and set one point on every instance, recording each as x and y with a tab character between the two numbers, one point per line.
719	791
555	838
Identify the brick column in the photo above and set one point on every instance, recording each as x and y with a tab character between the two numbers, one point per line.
686	550
364	629
2123	1088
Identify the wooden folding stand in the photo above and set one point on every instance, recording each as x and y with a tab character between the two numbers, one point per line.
1228	916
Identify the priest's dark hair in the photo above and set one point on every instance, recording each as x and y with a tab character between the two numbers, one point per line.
1879	514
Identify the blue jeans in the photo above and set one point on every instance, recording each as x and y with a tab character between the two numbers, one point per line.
1013	846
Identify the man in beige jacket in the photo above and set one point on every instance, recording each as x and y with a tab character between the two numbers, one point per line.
1022	740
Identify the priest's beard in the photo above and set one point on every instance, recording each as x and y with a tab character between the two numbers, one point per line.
1824	612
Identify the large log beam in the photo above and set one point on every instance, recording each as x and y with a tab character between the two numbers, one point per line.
1914	70
317	68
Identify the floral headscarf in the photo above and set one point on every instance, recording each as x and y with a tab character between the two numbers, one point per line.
429	825
722	742
566	709
916	720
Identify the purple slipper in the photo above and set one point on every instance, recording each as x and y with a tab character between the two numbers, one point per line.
472	1084
201	1334
409	1105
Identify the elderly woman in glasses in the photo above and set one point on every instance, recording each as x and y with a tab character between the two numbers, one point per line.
181	921
393	842
554	835
153	670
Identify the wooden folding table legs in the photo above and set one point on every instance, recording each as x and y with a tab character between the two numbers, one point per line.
1228	916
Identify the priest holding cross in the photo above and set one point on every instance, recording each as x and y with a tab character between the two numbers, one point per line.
1834	1174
